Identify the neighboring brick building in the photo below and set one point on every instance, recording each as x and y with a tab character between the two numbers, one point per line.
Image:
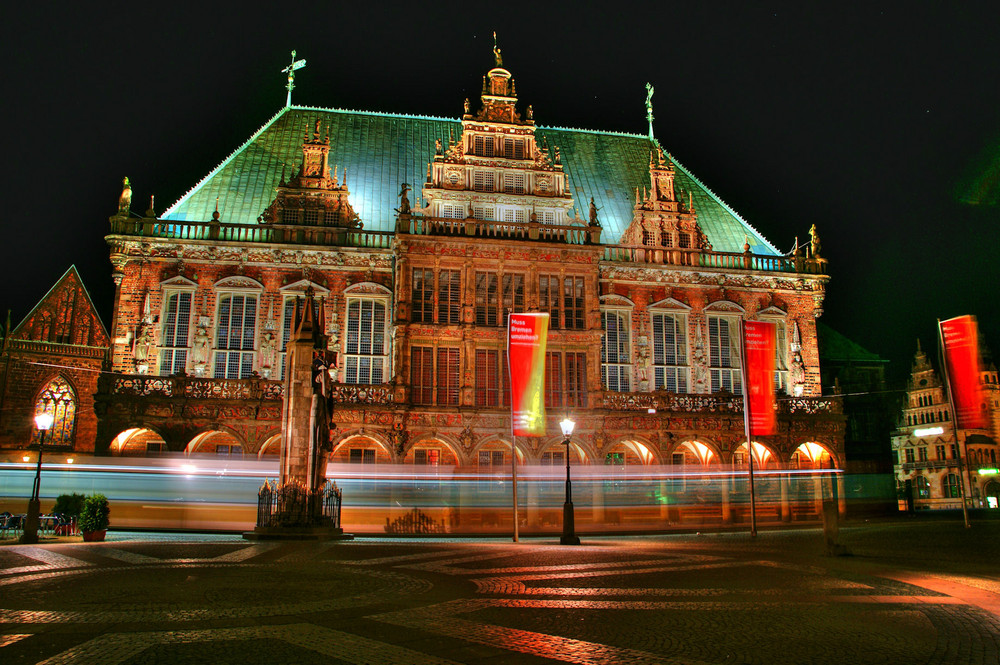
927	453
645	286
50	362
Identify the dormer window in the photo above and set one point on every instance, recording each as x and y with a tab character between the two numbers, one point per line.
482	146
484	181
513	148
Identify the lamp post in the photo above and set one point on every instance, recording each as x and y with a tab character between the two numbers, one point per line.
569	536
43	421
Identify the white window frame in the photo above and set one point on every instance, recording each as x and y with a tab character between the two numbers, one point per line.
616	363
725	372
671	367
245	355
360	364
175	351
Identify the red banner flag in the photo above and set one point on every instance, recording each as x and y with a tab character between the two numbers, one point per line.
760	339
526	338
960	342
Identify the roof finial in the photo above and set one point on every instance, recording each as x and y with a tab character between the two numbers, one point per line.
290	70
215	215
649	108
497	58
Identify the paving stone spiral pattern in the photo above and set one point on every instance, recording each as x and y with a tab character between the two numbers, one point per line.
681	600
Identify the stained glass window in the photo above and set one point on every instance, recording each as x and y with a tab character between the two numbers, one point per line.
57	399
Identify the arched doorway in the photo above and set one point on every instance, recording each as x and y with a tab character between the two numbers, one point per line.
991	493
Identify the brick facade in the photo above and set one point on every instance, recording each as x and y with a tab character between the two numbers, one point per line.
416	298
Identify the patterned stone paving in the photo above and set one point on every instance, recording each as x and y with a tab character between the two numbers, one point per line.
670	599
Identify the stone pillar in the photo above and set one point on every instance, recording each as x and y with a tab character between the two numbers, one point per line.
727	514
786	506
532	502
841	495
597	502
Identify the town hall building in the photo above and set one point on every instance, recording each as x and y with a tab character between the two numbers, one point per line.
419	235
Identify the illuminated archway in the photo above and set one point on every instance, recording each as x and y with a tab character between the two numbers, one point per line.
694	452
137	442
630	453
57	399
271	448
555	453
361	449
431	452
216	442
811	455
762	456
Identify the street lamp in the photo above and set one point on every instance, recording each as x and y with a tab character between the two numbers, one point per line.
569	536
43	421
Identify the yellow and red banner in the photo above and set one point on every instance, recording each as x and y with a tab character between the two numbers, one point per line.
760	339
960	344
526	338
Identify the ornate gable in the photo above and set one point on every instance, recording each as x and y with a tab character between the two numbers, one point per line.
663	218
65	315
313	196
496	170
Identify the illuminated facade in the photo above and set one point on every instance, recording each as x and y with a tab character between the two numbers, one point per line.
49	363
927	455
420	235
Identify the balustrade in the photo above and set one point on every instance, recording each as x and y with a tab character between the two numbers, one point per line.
251	233
713	403
482	228
699	258
145	385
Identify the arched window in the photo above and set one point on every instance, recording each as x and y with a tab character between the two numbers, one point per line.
57	398
950	486
922	487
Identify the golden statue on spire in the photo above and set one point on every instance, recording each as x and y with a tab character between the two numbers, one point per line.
496	51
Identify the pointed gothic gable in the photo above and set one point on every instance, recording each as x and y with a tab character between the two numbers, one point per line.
65	315
381	151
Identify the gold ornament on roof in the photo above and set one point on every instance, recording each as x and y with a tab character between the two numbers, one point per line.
497	58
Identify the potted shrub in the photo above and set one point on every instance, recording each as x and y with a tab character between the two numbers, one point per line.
94	518
68	507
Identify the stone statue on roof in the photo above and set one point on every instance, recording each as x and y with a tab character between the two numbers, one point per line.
125	200
404	200
496	51
814	241
593	213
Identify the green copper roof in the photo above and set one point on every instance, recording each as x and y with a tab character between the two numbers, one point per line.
834	346
381	151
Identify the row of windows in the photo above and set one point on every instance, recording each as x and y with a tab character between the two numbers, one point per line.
670	366
495	146
921	453
236	345
495	297
928	417
435	377
507	214
950	488
667	239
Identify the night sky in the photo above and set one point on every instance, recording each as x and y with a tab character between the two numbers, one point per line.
878	123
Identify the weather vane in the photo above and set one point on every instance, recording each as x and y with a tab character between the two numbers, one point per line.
649	108
290	69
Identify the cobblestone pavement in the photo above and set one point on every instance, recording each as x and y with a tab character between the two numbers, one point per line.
910	593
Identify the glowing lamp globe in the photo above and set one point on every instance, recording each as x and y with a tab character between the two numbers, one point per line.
43	421
567	426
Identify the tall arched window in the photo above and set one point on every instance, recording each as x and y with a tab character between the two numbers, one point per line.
950	486
923	487
58	399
